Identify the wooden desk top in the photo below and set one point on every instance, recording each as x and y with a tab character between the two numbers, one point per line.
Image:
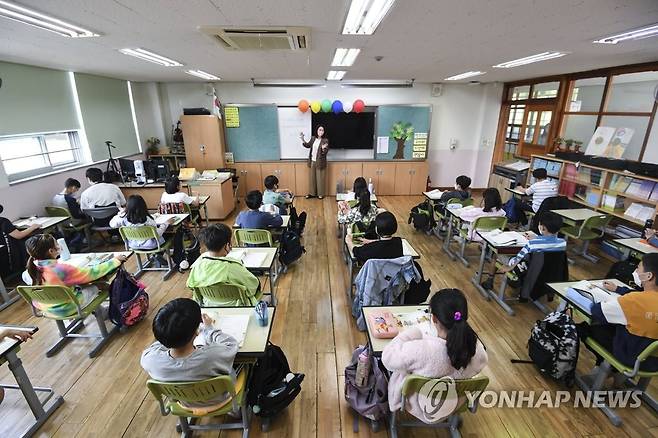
578	214
257	337
636	245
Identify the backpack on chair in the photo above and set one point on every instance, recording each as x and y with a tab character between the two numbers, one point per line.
371	400
129	302
297	222
553	347
272	387
422	217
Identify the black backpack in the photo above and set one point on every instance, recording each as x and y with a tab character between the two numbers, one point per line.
418	291
553	347
623	270
297	222
422	217
290	247
272	387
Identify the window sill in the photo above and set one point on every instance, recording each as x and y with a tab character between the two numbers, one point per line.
65	169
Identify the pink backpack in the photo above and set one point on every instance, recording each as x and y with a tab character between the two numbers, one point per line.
129	302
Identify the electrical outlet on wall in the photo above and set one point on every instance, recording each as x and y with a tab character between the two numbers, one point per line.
453	143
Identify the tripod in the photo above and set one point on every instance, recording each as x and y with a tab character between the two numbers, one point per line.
112	170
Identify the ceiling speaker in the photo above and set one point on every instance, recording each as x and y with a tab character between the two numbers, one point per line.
437	90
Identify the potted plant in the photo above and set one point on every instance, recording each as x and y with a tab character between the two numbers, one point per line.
577	144
401	132
152	145
569	143
558	143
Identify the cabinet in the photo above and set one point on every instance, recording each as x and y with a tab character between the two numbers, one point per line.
410	177
204	142
284	171
343	173
250	178
382	175
301	179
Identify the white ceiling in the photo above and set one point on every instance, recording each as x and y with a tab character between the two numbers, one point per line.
428	40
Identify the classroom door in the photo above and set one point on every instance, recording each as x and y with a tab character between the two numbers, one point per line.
535	131
386	184
403	176
250	177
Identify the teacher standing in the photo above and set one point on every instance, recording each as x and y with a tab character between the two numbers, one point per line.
318	147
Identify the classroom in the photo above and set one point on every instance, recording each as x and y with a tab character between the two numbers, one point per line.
349	218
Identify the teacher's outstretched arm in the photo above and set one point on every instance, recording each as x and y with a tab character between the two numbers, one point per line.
306	144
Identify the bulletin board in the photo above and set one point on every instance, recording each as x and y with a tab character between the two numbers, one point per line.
257	136
418	116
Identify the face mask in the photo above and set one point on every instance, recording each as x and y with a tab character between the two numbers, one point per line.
457	187
637	278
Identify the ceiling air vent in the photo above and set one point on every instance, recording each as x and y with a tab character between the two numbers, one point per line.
260	38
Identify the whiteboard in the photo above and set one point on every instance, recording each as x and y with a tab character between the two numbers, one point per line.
291	122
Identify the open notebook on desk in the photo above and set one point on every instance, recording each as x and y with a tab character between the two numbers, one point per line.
233	325
88	260
434	194
248	258
505	238
594	291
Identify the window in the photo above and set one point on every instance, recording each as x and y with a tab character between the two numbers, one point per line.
633	92
32	155
586	95
520	93
513	132
545	90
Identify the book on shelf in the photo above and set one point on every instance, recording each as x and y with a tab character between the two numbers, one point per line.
584	174
639	212
612	202
654	194
646	189
592	197
619	183
595	177
634	187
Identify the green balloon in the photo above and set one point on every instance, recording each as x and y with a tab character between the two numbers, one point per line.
326	106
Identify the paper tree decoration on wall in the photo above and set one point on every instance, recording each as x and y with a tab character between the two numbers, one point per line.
401	132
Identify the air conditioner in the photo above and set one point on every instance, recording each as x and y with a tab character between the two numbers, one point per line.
260	38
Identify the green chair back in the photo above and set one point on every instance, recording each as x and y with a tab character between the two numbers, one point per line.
223	295
256	237
490	223
597	224
141	233
49	296
413	383
352	203
466	202
168	394
53	211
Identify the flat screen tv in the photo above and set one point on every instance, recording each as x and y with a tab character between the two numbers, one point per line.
347	130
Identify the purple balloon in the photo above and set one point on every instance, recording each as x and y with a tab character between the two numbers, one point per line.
337	107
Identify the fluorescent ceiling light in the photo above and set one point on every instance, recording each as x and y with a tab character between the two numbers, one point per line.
334	75
377	84
544	56
203	75
345	57
151	57
468	74
284	83
364	16
636	34
31	17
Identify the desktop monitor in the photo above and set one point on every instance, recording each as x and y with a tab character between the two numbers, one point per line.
160	169
127	167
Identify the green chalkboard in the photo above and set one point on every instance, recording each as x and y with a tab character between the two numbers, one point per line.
257	138
387	115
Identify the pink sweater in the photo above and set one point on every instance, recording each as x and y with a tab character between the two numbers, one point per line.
423	354
469	215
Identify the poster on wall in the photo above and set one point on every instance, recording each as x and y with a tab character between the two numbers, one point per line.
600	140
232	116
420	145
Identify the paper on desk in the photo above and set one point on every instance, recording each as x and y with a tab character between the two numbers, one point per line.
28	222
163	218
237	254
598	293
434	194
233	325
254	259
519	165
503	238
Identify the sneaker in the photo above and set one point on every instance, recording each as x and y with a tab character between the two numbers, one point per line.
309	196
320	197
184	265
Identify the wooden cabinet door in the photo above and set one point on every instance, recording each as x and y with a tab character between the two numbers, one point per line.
352	172
193	139
204	142
301	179
284	171
371	171
250	178
402	178
386	179
419	172
336	174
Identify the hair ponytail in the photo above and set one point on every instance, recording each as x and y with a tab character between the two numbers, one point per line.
450	308
38	247
364	203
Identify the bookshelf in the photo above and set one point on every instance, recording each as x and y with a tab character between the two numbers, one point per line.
624	195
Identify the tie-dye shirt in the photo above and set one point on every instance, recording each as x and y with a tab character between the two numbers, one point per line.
63	274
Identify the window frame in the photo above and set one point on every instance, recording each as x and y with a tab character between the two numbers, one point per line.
76	148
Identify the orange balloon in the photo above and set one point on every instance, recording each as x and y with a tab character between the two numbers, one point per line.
303	105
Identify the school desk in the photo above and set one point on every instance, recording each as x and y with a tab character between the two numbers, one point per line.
377	344
268	265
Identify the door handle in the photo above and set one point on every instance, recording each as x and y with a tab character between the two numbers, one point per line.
202	148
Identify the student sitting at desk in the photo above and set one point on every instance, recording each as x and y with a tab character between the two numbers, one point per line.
174	195
446	346
65	199
43	268
100	194
626	325
492	206
276	196
12	249
173	357
364	211
547	241
213	267
20	335
253	218
461	192
541	189
386	247
136	214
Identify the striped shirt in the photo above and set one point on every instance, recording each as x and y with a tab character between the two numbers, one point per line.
541	190
540	244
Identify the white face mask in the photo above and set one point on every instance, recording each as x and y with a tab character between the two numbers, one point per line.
457	187
639	278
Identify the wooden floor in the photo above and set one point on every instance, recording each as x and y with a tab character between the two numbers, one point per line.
107	396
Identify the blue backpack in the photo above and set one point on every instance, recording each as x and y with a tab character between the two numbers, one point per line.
512	209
